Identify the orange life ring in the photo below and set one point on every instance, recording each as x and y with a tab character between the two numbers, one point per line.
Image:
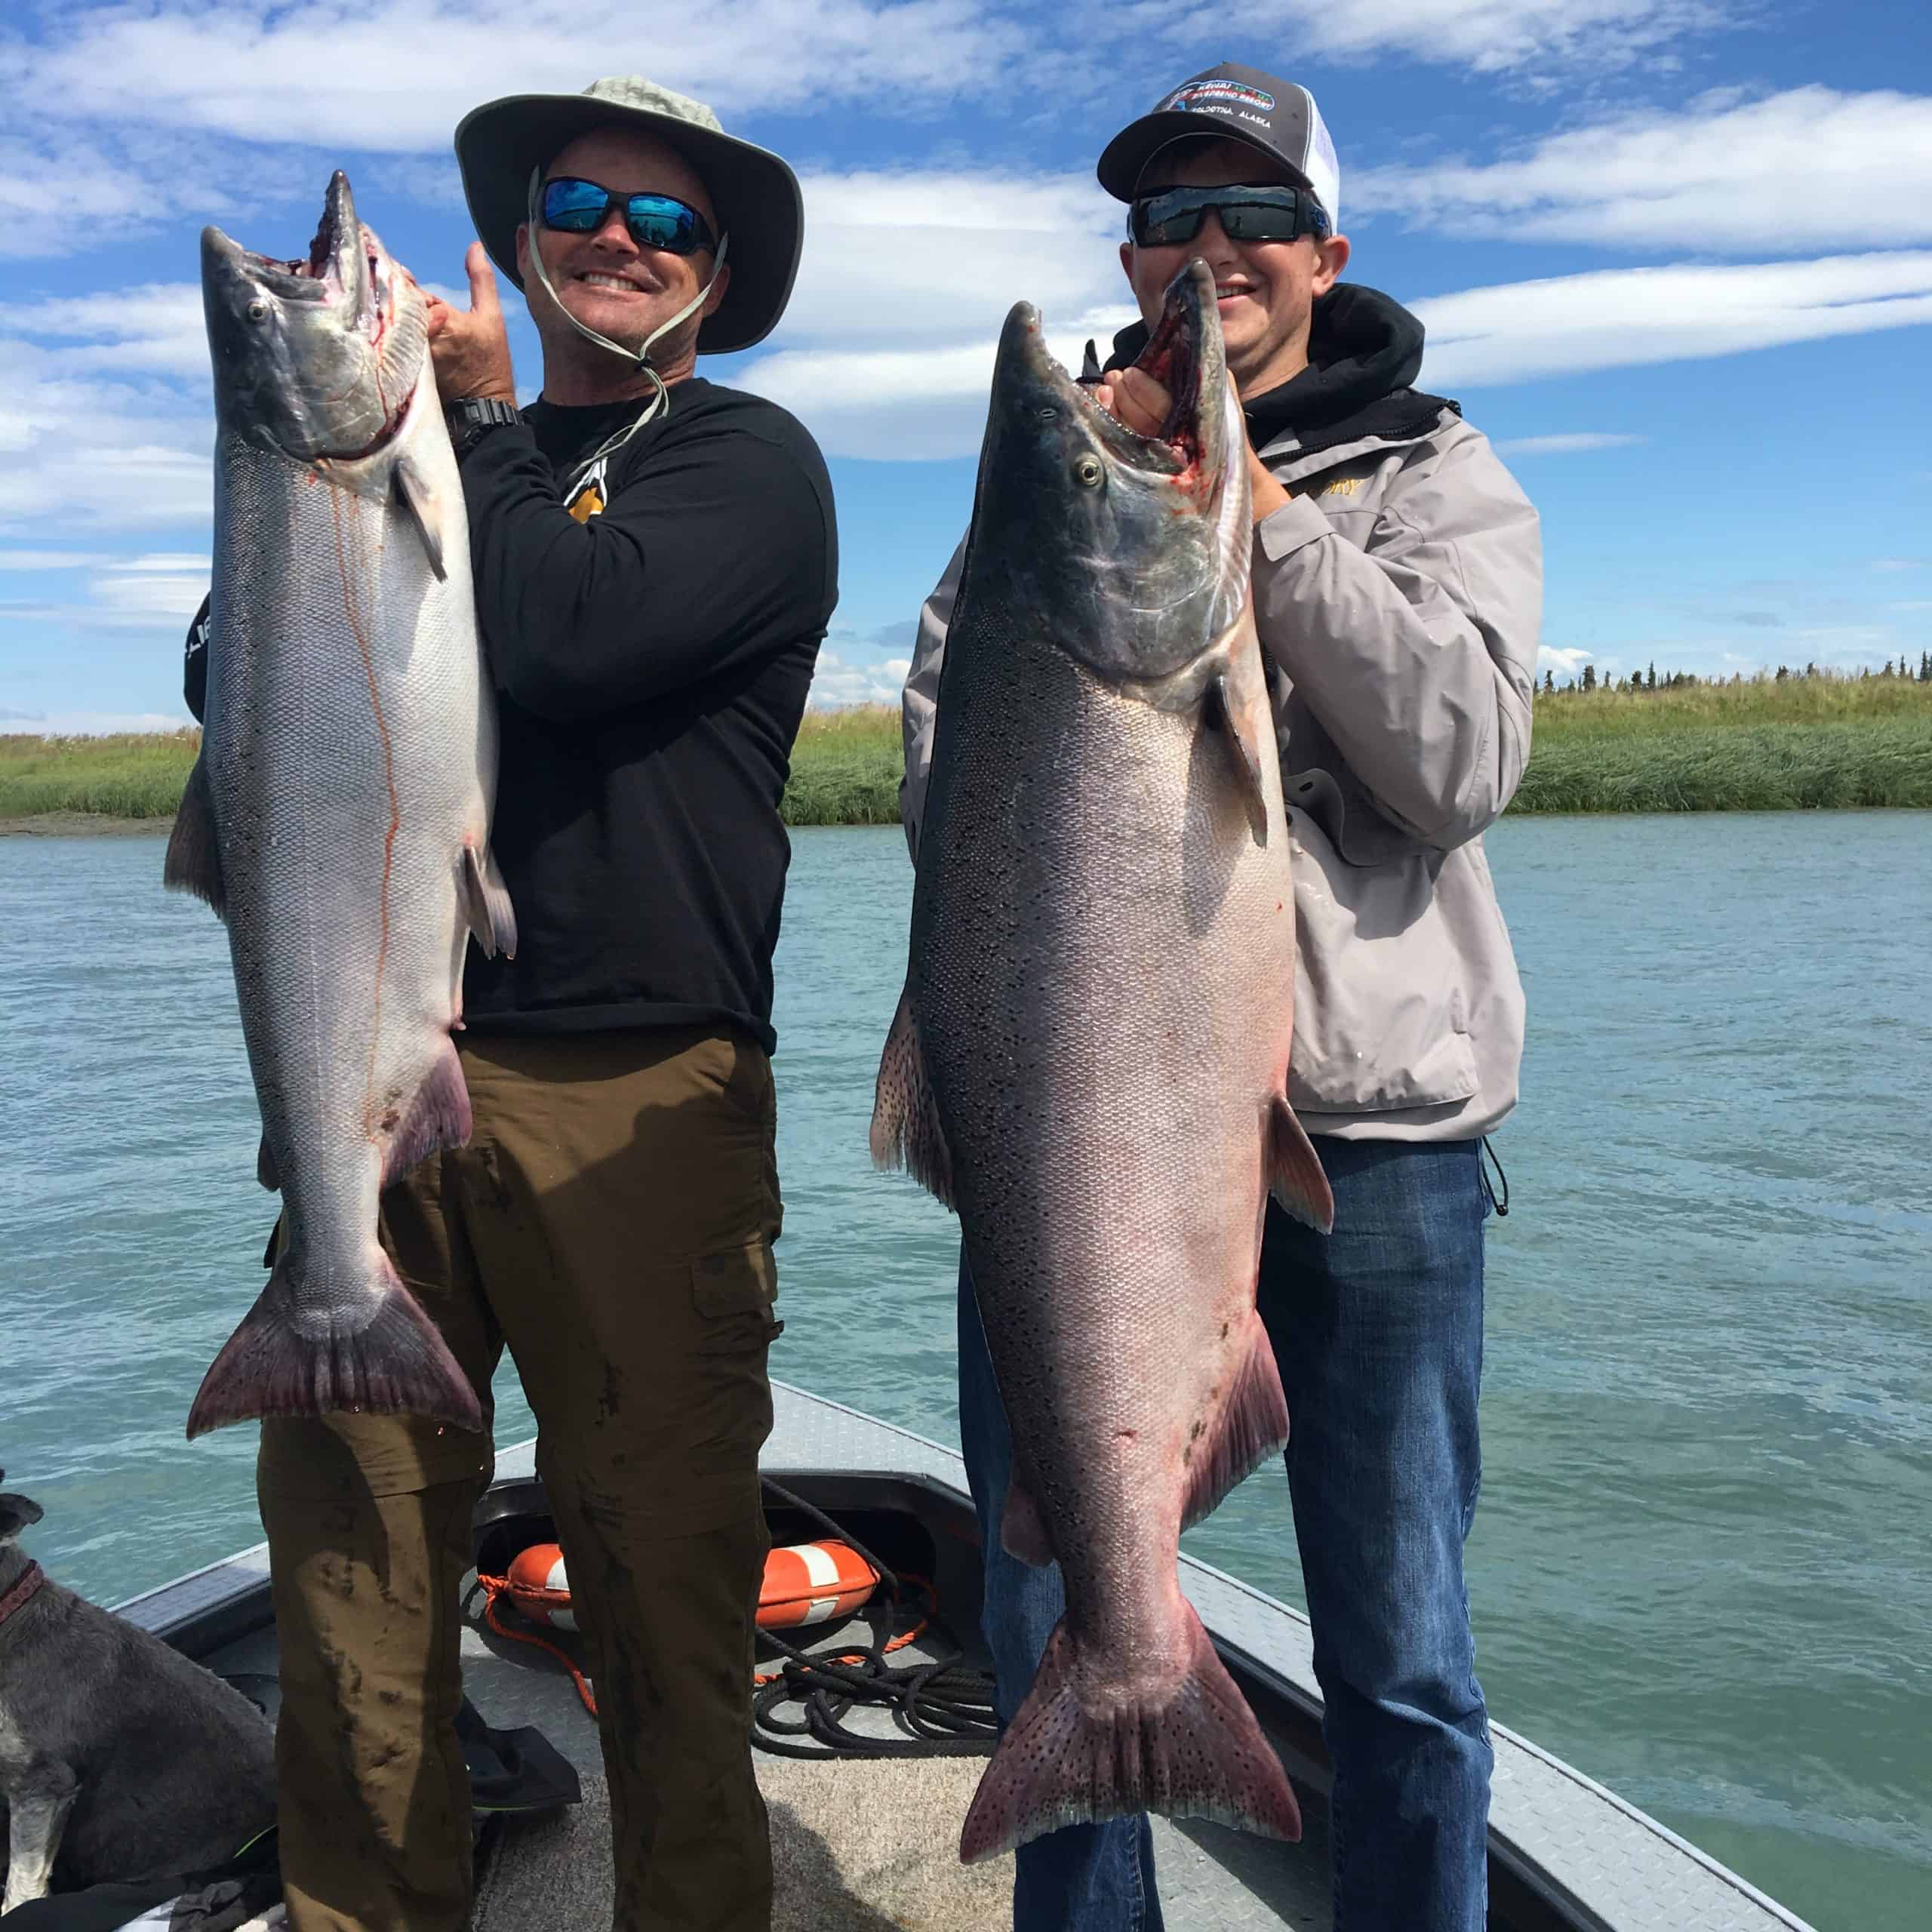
805	1582
540	1587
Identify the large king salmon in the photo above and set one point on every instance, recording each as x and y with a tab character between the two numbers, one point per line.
338	817
1091	1059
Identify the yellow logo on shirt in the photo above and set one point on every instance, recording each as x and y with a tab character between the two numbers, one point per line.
1345	486
588	503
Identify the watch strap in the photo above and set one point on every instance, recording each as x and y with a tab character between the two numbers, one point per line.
473	416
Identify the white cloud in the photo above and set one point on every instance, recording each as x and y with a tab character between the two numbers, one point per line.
1564	444
1898	563
52	559
89	724
1491	36
836	683
1809	168
157	329
1620	317
396	76
1566	661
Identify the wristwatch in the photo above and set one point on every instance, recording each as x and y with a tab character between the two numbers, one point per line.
474	417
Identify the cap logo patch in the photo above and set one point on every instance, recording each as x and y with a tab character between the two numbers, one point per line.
1216	97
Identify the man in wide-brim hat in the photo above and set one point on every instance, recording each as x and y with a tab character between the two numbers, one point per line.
655	563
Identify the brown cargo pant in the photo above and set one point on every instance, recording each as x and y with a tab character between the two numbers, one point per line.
611	1219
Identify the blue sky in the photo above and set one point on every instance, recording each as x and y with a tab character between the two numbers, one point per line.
1675	256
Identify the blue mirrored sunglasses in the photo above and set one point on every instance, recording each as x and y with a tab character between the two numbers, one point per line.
655	221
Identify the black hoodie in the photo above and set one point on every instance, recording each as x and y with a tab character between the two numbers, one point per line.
1364	351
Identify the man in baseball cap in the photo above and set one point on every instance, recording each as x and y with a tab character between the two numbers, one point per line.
1397	580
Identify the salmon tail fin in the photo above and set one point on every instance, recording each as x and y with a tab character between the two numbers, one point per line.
906	1129
1296	1176
1198	1753
193	862
1248	1428
395	1362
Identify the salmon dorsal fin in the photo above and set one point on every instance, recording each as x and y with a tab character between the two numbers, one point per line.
1296	1176
1248	1424
906	1129
193	863
416	492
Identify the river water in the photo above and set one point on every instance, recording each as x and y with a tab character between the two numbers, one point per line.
1702	1569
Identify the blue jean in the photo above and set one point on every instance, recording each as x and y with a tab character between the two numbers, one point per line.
1378	1331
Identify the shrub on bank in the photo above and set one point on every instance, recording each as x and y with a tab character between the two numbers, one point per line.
1765	744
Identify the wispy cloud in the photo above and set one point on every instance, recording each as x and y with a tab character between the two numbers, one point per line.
396	76
88	724
1898	563
838	680
1809	168
155	329
52	559
1569	443
1621	317
1525	38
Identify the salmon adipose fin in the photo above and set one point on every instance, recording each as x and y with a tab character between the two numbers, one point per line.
193	863
1296	1176
1199	1754
906	1129
1246	1428
395	1363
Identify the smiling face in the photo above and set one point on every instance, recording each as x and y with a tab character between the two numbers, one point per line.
1266	289
605	279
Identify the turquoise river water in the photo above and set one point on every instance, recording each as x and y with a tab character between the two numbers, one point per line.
1702	1569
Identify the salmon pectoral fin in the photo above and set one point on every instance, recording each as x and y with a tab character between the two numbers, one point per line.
438	1117
393	1362
906	1129
487	904
1022	1530
193	863
1067	1759
424	502
1225	712
1251	1425
1296	1176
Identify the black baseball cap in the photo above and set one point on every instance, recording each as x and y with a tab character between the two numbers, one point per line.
1277	118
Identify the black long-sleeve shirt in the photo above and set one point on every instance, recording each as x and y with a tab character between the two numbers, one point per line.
651	664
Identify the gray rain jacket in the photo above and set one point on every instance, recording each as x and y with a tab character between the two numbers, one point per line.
1399	597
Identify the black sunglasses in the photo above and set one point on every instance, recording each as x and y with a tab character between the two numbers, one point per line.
655	221
1246	214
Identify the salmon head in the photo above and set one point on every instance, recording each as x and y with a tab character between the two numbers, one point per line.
1132	550
317	358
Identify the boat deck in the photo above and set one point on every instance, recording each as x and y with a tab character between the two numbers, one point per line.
870	1845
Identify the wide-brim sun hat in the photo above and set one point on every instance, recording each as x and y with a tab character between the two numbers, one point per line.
755	193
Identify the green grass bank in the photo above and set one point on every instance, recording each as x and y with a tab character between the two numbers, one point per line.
1761	745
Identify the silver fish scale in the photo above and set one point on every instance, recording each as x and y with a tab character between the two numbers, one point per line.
343	668
1103	974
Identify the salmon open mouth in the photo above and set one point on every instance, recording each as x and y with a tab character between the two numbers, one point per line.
1186	361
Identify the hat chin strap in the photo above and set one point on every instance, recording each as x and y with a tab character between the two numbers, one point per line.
641	355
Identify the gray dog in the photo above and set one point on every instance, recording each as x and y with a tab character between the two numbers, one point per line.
120	1760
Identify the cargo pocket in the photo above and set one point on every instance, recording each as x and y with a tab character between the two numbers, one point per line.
734	1289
